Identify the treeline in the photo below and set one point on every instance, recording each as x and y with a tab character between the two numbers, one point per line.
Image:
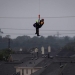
28	42
69	47
4	54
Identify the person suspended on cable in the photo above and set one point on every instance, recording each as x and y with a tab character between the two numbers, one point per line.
38	25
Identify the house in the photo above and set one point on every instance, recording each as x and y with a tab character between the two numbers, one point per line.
7	68
51	69
29	67
33	66
66	67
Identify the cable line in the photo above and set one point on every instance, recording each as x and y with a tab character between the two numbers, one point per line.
37	17
34	34
34	29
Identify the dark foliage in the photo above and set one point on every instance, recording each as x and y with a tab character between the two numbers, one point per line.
28	42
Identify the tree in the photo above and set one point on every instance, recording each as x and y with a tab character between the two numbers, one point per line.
5	54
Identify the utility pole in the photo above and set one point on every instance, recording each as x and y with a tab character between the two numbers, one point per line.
8	37
9	43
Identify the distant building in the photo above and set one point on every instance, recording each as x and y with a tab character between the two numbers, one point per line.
29	67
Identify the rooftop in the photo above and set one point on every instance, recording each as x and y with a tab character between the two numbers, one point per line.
30	63
69	69
7	69
20	56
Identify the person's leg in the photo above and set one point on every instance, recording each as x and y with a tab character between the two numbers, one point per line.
37	29
38	32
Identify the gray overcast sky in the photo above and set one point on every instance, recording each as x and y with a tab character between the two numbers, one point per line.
30	8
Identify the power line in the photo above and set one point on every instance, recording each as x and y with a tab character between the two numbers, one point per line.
34	33
34	29
19	17
37	17
62	17
15	29
18	34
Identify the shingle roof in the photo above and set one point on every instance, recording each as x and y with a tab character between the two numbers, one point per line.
19	56
66	53
64	59
55	68
52	69
31	63
38	72
7	69
44	62
69	69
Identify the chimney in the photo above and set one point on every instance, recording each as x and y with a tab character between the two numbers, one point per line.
49	50
36	52
20	49
42	49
